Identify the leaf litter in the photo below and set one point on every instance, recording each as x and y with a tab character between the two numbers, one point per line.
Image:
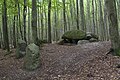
62	62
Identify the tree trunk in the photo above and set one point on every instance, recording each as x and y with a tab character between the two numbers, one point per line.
49	22
83	25
102	27
42	22
88	16
5	28
14	34
34	21
93	17
0	38
77	18
64	16
29	26
24	19
113	26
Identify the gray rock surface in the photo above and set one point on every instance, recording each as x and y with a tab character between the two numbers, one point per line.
31	60
83	42
21	48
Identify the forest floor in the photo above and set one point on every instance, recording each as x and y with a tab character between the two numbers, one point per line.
64	62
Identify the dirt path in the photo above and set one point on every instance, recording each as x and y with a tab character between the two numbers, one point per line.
60	62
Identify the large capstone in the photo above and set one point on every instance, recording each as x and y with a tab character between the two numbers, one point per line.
73	36
31	59
21	48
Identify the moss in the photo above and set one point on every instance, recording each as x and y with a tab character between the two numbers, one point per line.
40	42
90	35
31	60
117	52
94	36
21	49
20	41
74	34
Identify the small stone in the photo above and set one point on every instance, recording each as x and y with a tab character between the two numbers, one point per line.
83	42
21	48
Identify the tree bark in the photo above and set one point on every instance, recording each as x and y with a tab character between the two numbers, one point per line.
77	18
113	26
24	19
34	21
83	25
5	28
64	16
49	22
14	32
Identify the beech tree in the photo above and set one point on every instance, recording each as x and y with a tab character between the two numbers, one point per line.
54	17
83	25
113	25
5	28
24	18
34	21
49	21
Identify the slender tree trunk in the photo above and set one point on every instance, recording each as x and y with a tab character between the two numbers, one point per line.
71	13
39	11
46	30
102	27
34	21
14	32
19	20
106	23
93	17
96	17
83	25
64	16
55	21
46	21
29	26
24	19
49	22
77	18
88	16
5	28
17	29
42	22
0	38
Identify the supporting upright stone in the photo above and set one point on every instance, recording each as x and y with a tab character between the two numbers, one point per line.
21	48
31	59
82	42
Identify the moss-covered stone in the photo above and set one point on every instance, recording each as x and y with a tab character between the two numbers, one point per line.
21	48
93	40
61	42
74	34
31	59
116	52
40	42
90	35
